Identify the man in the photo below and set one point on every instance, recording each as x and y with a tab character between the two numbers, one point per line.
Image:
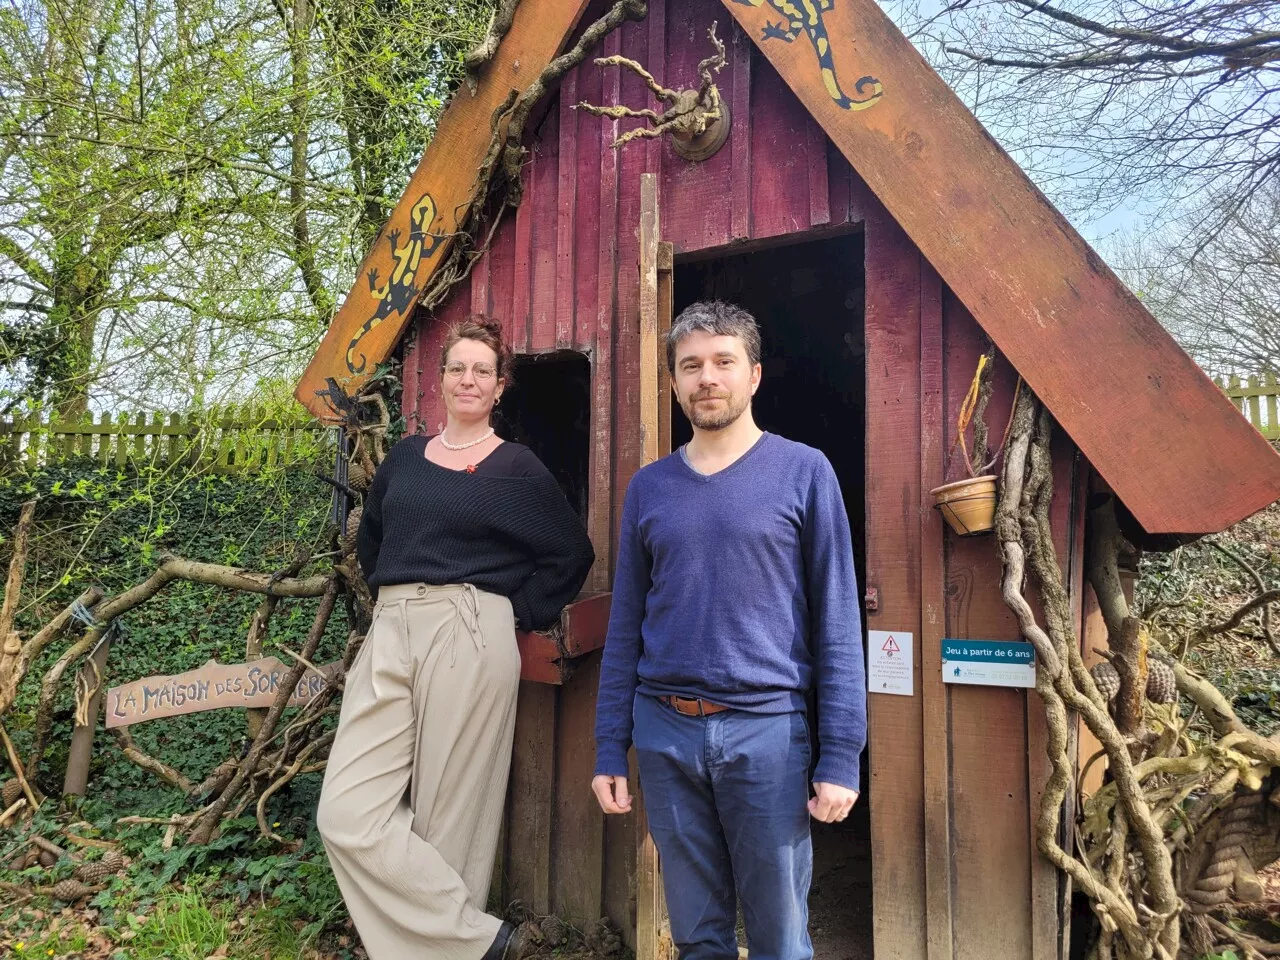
734	597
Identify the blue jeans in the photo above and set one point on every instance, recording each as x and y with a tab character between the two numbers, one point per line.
727	800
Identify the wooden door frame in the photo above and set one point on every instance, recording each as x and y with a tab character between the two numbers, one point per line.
653	936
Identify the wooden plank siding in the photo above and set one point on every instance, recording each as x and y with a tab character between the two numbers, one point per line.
893	498
956	771
563	272
954	868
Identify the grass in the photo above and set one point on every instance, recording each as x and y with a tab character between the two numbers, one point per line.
184	923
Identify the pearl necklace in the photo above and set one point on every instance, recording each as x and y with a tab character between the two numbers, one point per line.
463	446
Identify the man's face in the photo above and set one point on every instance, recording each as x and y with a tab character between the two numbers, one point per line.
714	380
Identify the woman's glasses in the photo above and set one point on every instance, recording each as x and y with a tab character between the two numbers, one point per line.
482	372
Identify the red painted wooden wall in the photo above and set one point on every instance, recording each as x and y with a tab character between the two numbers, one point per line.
952	769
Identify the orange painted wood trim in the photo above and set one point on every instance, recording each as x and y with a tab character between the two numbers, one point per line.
415	239
1147	418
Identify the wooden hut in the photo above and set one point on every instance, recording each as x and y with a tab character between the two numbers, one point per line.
881	237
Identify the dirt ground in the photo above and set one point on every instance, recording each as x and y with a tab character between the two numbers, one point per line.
840	899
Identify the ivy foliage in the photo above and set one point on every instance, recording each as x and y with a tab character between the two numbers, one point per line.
109	527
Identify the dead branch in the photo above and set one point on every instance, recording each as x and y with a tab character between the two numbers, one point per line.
1261	600
18	772
1117	911
258	630
216	781
32	649
510	148
299	766
15	808
89	841
48	694
233	578
17	568
149	763
986	385
1024	531
690	112
499	24
1261	586
212	815
1103	568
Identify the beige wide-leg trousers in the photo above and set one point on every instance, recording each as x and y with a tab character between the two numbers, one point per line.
429	705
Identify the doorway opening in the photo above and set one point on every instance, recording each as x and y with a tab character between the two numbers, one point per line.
547	407
809	301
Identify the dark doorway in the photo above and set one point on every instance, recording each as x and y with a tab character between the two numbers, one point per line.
547	407
809	301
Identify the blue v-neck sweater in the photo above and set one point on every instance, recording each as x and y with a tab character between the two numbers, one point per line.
737	587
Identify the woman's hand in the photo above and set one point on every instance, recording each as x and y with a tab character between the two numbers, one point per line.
612	793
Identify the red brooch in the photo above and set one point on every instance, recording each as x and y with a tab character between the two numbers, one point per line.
471	468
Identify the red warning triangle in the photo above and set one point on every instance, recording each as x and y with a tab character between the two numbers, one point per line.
891	646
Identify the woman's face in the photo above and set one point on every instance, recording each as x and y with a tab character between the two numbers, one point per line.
470	382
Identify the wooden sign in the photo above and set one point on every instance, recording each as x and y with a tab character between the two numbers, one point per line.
211	687
416	237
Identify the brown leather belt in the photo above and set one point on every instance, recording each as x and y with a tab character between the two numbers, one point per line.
694	707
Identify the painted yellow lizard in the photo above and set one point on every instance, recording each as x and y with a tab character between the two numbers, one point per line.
806	16
400	291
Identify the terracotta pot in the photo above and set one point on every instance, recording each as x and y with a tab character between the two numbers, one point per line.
968	505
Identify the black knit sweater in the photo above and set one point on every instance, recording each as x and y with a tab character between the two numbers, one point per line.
505	528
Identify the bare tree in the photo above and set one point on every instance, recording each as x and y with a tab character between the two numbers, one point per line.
1159	102
1220	297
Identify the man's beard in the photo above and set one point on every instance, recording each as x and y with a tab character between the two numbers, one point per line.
719	418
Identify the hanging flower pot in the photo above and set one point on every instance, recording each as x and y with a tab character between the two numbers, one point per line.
969	506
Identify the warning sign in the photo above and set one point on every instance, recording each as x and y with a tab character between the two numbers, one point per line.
889	663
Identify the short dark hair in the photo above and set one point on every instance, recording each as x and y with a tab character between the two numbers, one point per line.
719	318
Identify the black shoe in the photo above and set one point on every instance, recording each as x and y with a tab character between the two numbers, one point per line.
511	943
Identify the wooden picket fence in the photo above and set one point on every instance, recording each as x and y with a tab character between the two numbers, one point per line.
1258	398
228	440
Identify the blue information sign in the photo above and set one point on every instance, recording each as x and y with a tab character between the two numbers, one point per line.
993	663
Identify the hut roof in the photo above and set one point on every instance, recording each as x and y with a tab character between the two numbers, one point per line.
1165	438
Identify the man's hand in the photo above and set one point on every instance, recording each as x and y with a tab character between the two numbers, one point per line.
831	804
612	793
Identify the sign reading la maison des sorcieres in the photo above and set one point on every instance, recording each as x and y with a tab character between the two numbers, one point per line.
213	686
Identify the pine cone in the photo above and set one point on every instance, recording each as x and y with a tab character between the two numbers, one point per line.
114	859
1107	678
1162	684
553	931
70	890
10	792
353	527
97	872
602	940
357	477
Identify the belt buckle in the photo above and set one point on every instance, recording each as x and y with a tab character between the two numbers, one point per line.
701	712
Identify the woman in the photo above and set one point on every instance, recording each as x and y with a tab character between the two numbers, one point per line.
464	537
